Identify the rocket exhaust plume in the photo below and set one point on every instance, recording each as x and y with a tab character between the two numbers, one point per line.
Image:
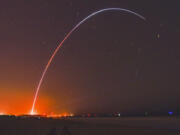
67	36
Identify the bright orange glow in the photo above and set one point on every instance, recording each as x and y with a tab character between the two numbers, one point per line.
14	100
33	112
2	113
18	104
60	115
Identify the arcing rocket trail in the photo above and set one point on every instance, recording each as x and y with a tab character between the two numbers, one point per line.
60	45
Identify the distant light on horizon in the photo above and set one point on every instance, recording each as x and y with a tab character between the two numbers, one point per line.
2	113
33	113
170	113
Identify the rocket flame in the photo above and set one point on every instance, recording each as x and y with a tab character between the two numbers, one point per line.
61	43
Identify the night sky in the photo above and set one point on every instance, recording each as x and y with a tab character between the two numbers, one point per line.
114	62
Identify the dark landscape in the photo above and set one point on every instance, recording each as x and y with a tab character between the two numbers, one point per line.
92	126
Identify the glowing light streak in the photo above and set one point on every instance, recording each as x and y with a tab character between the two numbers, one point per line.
66	37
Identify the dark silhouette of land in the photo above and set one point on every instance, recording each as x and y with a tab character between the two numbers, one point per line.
12	125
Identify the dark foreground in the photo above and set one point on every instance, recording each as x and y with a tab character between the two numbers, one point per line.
92	126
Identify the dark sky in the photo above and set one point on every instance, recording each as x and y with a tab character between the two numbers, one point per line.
114	62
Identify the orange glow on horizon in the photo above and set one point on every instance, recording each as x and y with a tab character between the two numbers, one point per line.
33	112
42	115
19	104
2	113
